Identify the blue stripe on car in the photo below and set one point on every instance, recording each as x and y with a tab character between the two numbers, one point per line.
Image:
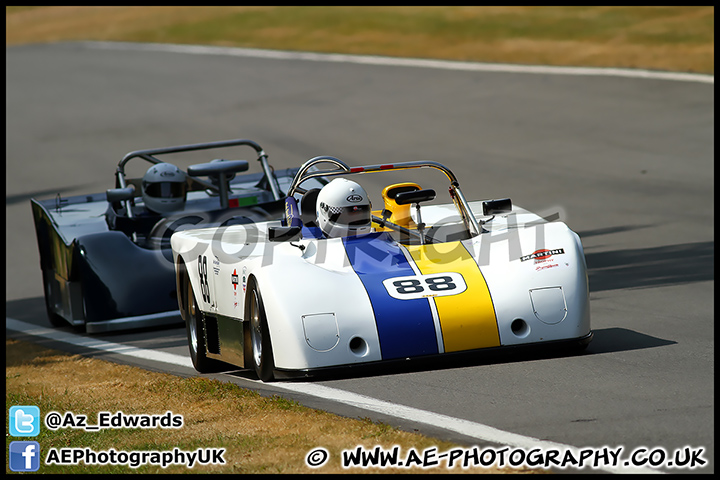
405	327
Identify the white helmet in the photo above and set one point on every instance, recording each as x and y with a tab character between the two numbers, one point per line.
164	188
343	208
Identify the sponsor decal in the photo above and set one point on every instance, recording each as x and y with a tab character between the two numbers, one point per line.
235	281
292	214
542	254
543	258
545	267
354	198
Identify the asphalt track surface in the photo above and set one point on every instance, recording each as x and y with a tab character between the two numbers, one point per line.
626	162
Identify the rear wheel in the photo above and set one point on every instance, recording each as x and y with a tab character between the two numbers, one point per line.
196	335
262	355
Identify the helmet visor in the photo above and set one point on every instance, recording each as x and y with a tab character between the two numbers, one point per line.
165	189
355	215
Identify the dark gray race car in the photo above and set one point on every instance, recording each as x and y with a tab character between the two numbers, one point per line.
105	257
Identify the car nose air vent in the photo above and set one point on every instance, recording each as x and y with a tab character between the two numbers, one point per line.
321	331
520	328
359	346
549	304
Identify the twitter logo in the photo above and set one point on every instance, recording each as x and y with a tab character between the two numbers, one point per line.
24	421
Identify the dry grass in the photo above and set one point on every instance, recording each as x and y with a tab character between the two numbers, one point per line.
52	24
664	38
260	434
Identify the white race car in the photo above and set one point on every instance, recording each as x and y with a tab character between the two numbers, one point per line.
288	297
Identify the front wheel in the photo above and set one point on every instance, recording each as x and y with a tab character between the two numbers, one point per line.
262	355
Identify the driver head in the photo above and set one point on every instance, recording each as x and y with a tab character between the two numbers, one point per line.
343	209
164	188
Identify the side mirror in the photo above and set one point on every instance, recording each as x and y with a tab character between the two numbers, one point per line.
497	207
284	234
416	196
120	194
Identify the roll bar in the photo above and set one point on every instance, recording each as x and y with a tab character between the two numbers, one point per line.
341	168
149	155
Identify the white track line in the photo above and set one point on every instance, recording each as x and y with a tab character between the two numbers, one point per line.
88	342
470	429
403	62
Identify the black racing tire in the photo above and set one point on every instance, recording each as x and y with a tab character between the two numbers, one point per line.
196	335
260	344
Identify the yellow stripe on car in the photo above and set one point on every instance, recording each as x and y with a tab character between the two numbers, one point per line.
467	319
